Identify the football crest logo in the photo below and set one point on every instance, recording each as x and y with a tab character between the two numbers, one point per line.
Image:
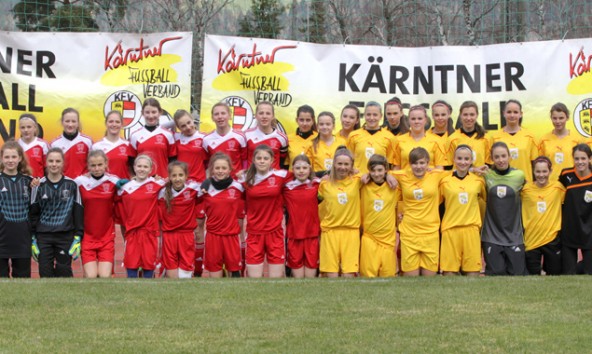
418	194
541	207
581	117
378	204
588	197
342	198
501	191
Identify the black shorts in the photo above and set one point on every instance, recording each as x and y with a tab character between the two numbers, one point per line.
504	260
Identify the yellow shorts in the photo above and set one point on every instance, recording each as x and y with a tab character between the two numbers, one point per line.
461	249
340	251
377	259
420	251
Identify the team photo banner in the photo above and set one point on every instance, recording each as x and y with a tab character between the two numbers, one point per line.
245	71
44	73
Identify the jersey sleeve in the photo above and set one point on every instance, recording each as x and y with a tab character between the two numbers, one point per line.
440	158
78	214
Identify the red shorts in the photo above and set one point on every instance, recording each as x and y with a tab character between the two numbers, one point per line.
178	250
141	249
222	250
97	251
303	252
270	244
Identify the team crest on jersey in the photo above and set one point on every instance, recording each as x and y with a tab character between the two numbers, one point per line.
418	194
342	198
541	207
159	139
123	150
588	197
271	181
273	144
187	195
501	191
558	157
231	193
231	144
106	188
197	142
25	191
378	204
36	153
65	194
80	148
149	188
328	164
463	198
514	153
369	152
581	117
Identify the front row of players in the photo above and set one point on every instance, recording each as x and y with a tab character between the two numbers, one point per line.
519	229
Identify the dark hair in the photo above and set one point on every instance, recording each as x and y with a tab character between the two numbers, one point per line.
560	107
417	154
58	151
583	148
252	170
218	156
499	144
542	159
303	157
478	128
152	102
168	187
308	109
23	166
97	153
340	151
356	109
317	139
403	122
377	160
515	102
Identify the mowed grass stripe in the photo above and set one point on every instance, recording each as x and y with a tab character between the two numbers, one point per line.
522	314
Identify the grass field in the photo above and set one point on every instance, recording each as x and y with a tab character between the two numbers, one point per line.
526	314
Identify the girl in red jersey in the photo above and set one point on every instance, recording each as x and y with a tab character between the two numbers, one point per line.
178	211
304	226
115	148
34	147
189	144
152	140
265	235
350	120
74	144
224	205
225	139
138	210
266	133
98	190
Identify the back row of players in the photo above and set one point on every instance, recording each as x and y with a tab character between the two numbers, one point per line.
397	140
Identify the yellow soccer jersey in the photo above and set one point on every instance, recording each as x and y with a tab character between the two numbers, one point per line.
422	198
559	151
297	146
443	141
363	145
341	203
541	213
378	212
430	142
523	149
461	199
322	158
481	147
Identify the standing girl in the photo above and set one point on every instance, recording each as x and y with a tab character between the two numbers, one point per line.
576	225
350	120
303	227
116	149
340	226
395	121
138	210
57	218
225	139
324	144
419	229
443	124
189	145
224	205
266	133
521	142
501	235
15	199
35	148
306	132
98	191
178	211
152	140
265	235
472	134
371	139
73	144
417	137
541	215
558	144
461	243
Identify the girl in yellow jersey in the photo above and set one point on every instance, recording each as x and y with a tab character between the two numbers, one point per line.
300	142
417	137
461	240
350	120
557	144
443	125
371	139
472	134
323	146
378	257
395	121
541	216
522	143
420	239
340	224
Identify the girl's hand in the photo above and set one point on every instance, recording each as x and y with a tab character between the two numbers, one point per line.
392	181
240	175
365	178
35	182
480	171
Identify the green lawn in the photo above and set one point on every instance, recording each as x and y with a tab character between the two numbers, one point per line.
522	314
